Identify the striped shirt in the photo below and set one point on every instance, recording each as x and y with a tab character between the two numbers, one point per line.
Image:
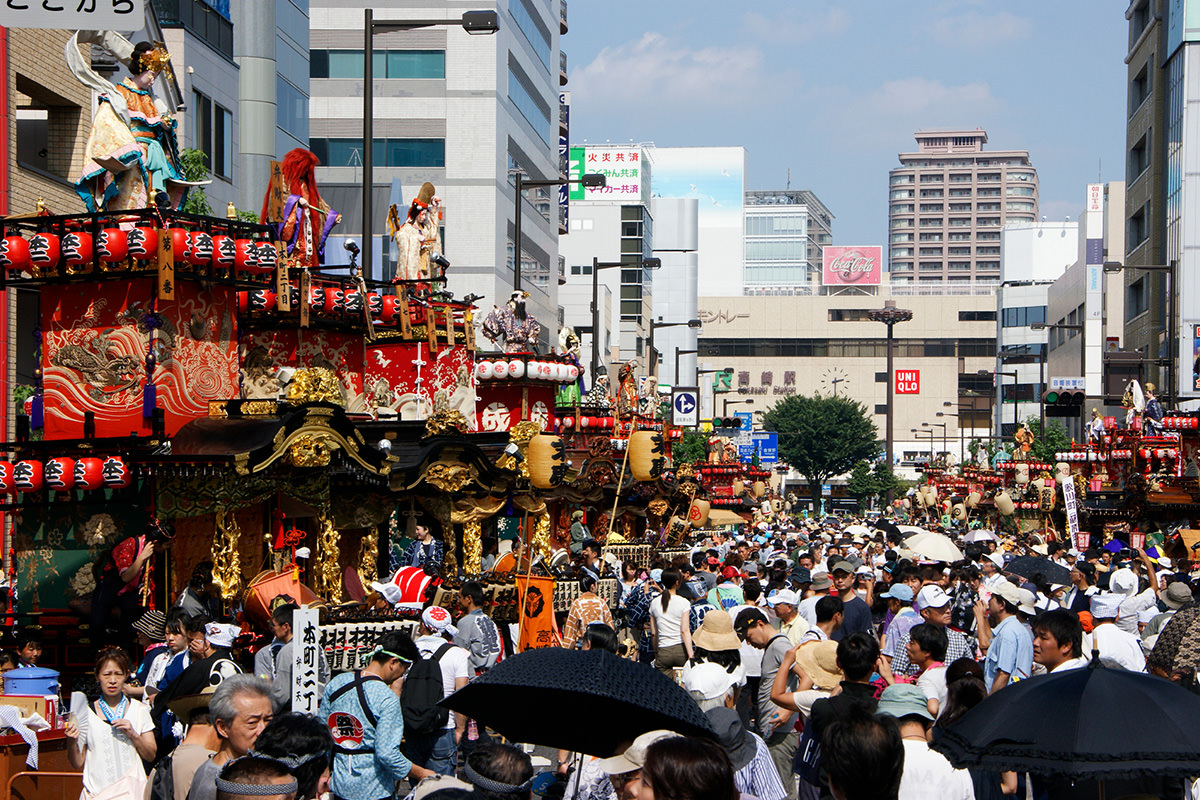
760	778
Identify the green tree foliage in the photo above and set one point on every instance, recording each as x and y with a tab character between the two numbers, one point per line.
885	479
1045	444
861	485
821	437
689	449
194	164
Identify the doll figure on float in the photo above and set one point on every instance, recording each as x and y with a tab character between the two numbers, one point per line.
304	221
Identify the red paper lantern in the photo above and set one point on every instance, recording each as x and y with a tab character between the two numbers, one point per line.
44	250
246	255
59	473
200	249
116	473
6	478
353	302
567	422
243	302
389	307
224	251
27	476
262	300
89	473
14	253
316	298
335	300
112	245
77	248
142	243
585	422
268	257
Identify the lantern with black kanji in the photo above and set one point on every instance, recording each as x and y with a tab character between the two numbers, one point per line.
547	461
116	473
246	255
224	251
89	473
646	455
59	473
27	476
44	250
113	246
14	253
6	478
77	248
142	243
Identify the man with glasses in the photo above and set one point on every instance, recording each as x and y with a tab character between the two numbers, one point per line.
364	717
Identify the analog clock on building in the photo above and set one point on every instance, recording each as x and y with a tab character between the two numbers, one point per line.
834	381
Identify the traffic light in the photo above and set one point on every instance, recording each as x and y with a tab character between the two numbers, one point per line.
726	424
1063	402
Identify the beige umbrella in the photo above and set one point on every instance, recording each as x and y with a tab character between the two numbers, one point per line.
934	546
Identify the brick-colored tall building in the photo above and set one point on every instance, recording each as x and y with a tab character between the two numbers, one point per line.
947	203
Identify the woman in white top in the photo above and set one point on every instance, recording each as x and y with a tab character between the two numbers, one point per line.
114	735
669	626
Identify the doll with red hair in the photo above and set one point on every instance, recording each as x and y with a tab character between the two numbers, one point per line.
307	220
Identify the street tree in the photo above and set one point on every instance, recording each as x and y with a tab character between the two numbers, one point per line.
1054	439
861	484
821	437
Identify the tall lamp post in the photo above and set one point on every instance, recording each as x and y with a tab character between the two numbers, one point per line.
941	425
1041	326
1000	392
589	181
473	22
962	443
679	353
652	361
890	315
917	432
725	404
1172	271
597	265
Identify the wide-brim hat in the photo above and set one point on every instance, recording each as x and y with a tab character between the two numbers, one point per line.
716	632
182	707
819	662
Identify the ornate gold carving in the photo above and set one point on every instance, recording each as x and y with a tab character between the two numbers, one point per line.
258	408
314	385
448	476
445	422
472	548
541	537
218	408
227	567
685	471
311	450
368	556
522	432
328	572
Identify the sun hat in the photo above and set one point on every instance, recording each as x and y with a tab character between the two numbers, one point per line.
656	575
1177	595
1147	614
899	591
152	624
904	700
716	632
750	568
1106	605
735	740
438	620
932	596
844	566
183	706
819	662
997	559
821	581
783	596
1124	582
801	575
1028	604
634	756
709	680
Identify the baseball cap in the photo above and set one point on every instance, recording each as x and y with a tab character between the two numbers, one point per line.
782	596
1009	593
746	618
438	620
732	572
904	700
899	591
634	756
844	566
932	596
750	568
708	680
997	559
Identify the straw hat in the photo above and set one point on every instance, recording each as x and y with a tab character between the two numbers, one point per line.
716	632
819	662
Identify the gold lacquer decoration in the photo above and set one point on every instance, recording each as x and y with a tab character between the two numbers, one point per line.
449	477
311	450
314	385
227	566
368	556
447	422
472	548
328	574
541	537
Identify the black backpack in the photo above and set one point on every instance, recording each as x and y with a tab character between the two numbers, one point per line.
162	784
421	694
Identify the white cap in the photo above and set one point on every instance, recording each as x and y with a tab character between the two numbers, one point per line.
708	680
1106	605
390	592
1123	582
996	558
634	756
1028	604
783	596
931	596
1007	592
438	620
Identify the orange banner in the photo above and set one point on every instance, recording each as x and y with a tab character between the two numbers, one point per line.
537	628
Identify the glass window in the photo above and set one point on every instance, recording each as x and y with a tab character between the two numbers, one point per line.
416	64
292	108
537	36
387	152
535	111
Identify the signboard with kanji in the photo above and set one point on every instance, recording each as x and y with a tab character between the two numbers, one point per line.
621	168
908	381
306	684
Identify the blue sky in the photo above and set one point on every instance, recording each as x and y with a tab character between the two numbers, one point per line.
834	90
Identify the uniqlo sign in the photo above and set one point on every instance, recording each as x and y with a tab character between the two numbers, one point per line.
908	381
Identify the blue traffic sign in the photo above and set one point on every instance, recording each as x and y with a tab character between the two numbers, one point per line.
686	405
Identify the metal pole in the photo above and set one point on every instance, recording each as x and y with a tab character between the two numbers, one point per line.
677	382
651	358
517	238
1016	405
1172	343
595	318
1042	391
888	435
368	250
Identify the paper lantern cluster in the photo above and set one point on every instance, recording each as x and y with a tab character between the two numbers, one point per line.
78	249
64	474
585	423
1181	423
520	369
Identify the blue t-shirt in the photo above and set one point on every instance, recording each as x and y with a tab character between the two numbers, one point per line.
1011	651
856	618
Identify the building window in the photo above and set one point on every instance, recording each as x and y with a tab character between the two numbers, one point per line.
1139	157
1139	89
1023	316
1138	229
881	408
385	64
212	133
533	29
976	316
1137	299
532	107
388	152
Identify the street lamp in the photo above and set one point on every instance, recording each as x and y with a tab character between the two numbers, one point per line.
725	404
890	315
589	181
962	442
1000	391
1171	335
1041	326
941	425
679	353
597	265
916	432
652	362
473	22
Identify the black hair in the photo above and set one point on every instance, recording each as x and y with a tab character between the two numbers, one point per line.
1064	625
747	618
135	60
670	580
294	735
729	659
857	654
961	696
202	576
176	618
27	637
473	591
395	644
591	544
9	659
930	638
751	590
587	582
863	755
195	624
598	636
963	668
502	763
699	558
687	768
828	606
282	615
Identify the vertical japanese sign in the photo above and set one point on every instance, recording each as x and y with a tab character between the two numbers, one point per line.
564	159
1081	541
575	190
306	688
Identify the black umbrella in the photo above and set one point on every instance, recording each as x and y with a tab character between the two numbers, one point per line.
1028	566
588	701
1069	724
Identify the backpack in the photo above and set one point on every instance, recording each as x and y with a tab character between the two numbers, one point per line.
421	694
162	784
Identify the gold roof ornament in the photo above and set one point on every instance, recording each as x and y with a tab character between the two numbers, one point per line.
315	385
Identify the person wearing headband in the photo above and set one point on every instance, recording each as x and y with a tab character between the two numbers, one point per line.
256	777
367	725
302	743
499	771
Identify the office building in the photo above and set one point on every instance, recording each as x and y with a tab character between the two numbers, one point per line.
786	233
949	200
465	113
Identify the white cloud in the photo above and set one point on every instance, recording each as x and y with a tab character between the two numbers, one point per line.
654	70
974	31
795	25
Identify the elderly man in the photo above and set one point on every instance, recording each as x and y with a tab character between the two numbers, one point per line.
934	607
239	709
785	603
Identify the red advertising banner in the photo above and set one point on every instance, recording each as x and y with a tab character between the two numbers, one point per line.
852	266
908	381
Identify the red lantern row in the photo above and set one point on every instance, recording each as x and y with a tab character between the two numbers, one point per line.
720	469
584	423
62	474
331	300
1180	423
45	250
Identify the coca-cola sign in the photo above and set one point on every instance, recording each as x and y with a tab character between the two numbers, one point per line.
852	266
